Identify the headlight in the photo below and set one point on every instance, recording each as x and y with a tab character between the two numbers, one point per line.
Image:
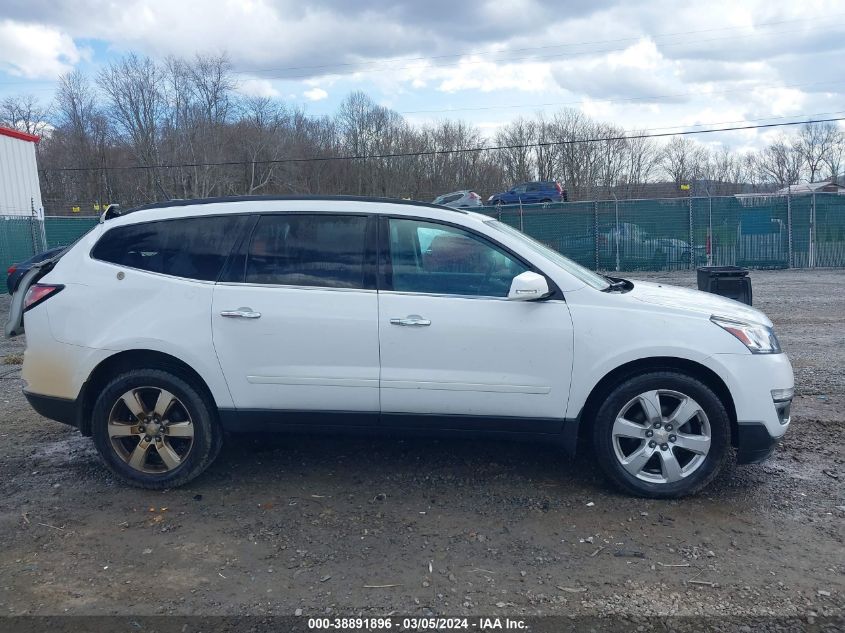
758	338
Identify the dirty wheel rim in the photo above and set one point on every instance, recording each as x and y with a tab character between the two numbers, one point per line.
661	436
151	430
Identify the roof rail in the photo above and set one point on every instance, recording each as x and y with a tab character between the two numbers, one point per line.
199	201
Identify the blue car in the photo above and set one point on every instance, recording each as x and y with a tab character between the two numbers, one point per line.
543	191
16	271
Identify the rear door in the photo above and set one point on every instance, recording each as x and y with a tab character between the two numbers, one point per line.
295	318
532	193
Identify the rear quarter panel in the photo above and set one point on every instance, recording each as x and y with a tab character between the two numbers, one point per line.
141	311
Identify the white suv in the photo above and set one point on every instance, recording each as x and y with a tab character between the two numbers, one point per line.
164	327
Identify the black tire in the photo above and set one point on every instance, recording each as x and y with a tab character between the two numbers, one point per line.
546	200
709	466
206	441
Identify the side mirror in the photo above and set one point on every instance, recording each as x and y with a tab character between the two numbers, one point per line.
528	287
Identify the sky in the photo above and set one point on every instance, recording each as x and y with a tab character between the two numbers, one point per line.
659	65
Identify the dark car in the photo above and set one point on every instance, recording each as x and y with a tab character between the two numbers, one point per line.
16	271
531	193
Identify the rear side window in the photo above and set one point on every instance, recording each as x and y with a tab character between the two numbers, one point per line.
322	250
194	248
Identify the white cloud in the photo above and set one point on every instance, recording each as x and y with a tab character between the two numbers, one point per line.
315	94
635	64
257	88
35	51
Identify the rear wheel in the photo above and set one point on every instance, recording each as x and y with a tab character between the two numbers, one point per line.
662	435
154	430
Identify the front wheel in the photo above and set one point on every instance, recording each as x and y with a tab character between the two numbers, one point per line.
662	435
154	430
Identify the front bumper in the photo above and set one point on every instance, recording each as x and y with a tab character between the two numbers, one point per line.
754	381
755	443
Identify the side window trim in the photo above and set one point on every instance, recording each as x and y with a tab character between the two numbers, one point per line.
234	269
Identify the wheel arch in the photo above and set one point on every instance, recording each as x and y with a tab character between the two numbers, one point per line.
134	359
661	363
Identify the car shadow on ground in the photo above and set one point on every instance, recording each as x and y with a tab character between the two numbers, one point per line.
416	462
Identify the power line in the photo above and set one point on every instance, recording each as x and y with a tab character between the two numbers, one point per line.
440	151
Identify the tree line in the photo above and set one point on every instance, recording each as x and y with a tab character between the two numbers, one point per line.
105	138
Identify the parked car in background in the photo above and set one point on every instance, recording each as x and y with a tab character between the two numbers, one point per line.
165	327
464	199
636	249
16	271
531	193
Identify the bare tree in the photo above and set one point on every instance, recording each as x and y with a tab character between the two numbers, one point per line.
642	158
187	114
24	113
683	160
134	86
781	162
816	143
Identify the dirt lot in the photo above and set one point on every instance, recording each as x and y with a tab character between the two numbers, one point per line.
347	526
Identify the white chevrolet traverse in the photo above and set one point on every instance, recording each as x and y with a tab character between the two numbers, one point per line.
166	326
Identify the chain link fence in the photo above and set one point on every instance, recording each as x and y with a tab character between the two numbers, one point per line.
755	231
23	236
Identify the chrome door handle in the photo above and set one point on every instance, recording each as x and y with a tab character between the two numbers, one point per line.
241	313
413	320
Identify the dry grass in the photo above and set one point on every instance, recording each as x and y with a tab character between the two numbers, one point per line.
13	359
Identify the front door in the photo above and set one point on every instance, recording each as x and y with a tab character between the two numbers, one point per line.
454	350
296	324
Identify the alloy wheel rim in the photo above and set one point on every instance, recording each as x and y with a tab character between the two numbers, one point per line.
151	430
661	436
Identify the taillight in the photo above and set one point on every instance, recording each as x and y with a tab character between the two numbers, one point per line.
558	187
39	293
11	269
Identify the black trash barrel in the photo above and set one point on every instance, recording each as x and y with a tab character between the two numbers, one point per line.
732	282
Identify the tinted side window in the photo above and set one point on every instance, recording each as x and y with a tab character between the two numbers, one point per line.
195	248
435	258
308	250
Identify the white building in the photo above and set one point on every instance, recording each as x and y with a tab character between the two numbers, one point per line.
20	192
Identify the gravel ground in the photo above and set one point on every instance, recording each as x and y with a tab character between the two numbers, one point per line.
347	526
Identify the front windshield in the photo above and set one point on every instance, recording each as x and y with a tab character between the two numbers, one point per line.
587	276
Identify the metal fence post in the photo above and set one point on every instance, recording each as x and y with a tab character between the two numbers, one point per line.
616	206
596	232
812	253
790	258
709	231
36	229
692	244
